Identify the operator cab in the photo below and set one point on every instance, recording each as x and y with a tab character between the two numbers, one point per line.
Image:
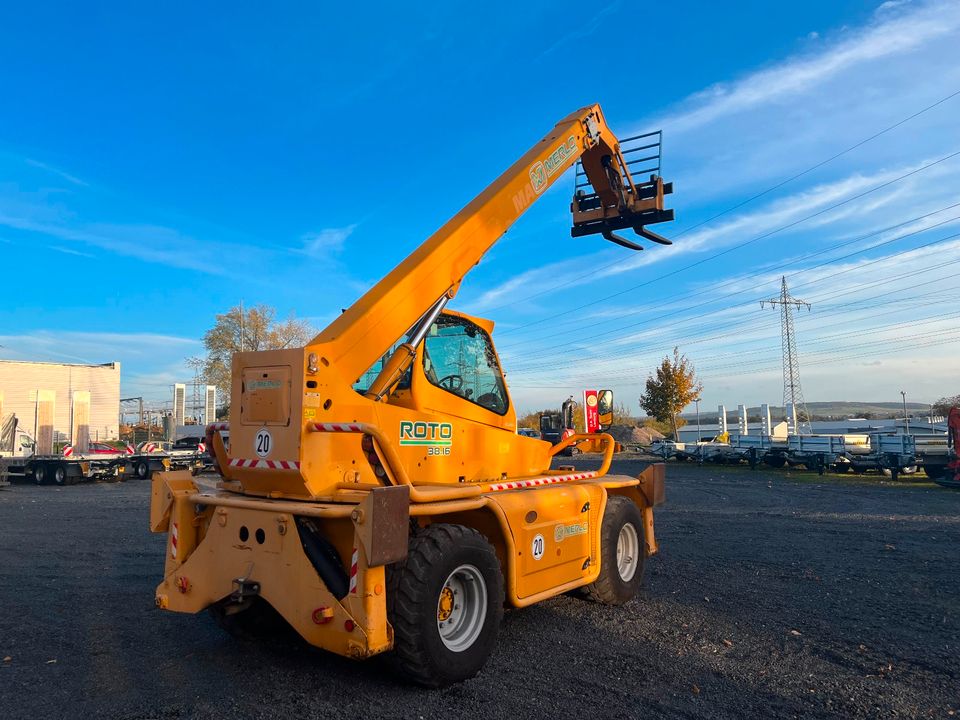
456	370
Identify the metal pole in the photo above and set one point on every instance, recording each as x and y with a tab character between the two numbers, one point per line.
698	419
906	420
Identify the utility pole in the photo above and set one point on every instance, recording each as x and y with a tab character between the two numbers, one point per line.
906	420
697	401
792	392
241	326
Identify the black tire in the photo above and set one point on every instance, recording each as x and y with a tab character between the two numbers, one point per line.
40	473
258	622
142	469
60	475
777	461
416	590
935	472
611	587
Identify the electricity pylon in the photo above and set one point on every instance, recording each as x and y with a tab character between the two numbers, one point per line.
792	392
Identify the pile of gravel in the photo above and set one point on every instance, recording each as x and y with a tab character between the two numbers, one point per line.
633	435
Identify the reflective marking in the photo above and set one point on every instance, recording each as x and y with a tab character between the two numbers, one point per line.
548	480
354	569
268	464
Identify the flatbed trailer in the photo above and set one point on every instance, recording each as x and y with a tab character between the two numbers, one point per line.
933	454
76	468
142	465
892	455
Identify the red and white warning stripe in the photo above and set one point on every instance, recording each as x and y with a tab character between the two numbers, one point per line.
268	464
547	480
337	427
218	426
68	450
174	535
130	449
201	447
354	569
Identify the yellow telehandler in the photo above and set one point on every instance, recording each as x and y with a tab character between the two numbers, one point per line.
375	494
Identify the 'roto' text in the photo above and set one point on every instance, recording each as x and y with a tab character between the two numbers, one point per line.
425	433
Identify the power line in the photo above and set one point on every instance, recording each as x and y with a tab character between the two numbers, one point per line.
749	200
691	339
739	246
735	293
713	289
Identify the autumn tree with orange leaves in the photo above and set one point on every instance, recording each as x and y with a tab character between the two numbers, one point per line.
674	386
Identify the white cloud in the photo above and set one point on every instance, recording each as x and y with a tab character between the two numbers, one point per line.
326	242
769	218
891	35
72	179
742	137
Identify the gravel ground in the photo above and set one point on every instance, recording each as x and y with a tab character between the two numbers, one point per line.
774	595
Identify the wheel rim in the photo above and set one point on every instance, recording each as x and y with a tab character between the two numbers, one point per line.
462	608
59	475
628	552
39	474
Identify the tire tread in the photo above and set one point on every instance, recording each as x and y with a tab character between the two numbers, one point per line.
407	587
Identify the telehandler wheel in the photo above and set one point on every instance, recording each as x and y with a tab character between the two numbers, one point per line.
257	622
445	602
621	553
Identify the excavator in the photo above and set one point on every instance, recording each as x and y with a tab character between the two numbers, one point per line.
375	495
558	426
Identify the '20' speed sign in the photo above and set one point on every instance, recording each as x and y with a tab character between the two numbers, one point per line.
263	442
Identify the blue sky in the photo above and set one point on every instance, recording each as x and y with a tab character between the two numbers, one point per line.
158	167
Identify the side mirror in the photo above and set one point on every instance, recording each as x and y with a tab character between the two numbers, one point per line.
605	408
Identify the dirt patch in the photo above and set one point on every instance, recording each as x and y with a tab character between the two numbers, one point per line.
770	598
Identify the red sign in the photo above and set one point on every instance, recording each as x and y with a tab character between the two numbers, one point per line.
591	417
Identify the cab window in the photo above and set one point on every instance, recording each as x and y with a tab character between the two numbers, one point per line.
364	382
458	357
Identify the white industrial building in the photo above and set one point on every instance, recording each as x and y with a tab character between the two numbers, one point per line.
60	401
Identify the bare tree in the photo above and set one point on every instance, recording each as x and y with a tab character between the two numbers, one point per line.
254	328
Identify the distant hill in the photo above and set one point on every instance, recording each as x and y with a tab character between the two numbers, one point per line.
829	410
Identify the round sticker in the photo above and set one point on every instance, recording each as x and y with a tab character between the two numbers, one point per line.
537	546
263	443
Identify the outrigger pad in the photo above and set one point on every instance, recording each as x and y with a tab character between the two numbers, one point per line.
383	524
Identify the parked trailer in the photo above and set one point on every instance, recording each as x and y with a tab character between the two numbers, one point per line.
60	470
893	455
817	452
933	454
154	457
69	470
758	448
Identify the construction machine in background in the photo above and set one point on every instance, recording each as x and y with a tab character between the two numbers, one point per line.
376	495
555	427
950	476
